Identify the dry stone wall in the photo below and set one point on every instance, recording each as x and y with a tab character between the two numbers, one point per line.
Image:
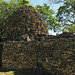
27	44
19	55
56	55
25	20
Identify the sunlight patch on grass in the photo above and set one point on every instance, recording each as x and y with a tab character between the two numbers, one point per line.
7	73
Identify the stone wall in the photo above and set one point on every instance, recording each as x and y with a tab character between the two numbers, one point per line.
25	20
17	55
56	55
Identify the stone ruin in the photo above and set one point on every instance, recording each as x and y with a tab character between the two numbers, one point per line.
28	43
25	21
26	24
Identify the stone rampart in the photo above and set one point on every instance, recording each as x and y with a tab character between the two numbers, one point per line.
56	55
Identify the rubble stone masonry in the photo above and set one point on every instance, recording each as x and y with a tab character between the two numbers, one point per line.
56	55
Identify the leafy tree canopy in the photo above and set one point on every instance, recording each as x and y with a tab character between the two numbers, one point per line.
66	14
46	14
6	10
13	5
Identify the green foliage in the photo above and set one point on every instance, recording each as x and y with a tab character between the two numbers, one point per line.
7	9
66	15
22	3
3	15
46	14
69	28
1	1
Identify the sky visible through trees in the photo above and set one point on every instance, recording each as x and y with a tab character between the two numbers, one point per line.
55	7
40	2
57	14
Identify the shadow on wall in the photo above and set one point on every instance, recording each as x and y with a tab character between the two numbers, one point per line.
30	71
1	48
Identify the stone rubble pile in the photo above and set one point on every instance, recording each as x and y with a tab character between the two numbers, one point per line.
25	20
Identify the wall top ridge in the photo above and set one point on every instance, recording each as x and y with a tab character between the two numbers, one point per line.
44	37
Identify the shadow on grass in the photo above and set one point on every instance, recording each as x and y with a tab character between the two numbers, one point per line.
5	70
30	71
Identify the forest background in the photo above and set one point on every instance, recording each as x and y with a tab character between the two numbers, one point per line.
61	20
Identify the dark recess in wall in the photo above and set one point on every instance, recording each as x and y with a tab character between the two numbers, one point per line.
1	48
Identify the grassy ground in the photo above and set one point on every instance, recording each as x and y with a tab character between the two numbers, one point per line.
7	73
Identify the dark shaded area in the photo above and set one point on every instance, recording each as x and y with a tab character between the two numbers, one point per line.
5	70
1	48
30	71
39	70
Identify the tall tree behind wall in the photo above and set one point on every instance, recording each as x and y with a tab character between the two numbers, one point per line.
66	14
6	10
47	15
3	15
